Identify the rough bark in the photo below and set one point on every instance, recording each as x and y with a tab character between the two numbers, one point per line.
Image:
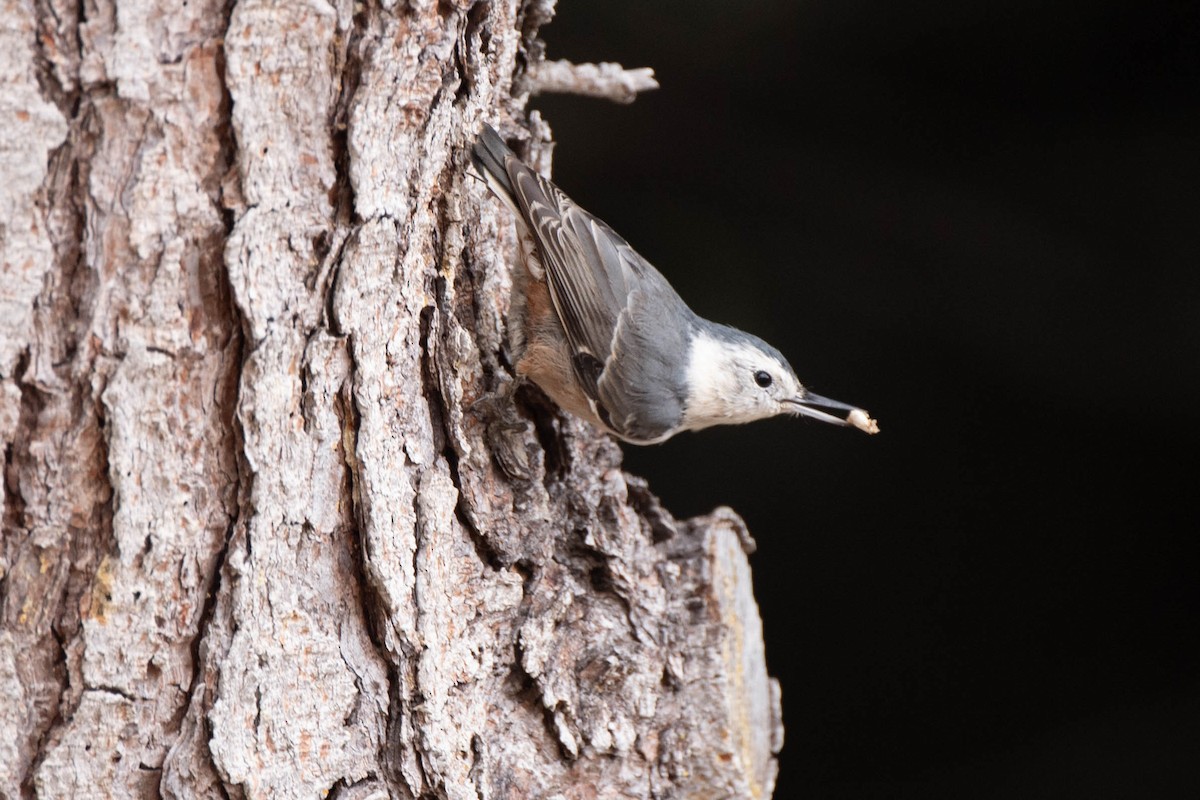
262	535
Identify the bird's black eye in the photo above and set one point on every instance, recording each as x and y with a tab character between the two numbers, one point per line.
762	378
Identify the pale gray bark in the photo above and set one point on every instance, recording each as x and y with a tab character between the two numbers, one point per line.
257	539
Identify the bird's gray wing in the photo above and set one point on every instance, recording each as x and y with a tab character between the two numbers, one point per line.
643	387
610	302
585	272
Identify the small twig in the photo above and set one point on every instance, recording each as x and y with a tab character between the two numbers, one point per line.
610	81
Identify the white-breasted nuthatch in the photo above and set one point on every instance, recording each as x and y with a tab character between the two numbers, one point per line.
601	332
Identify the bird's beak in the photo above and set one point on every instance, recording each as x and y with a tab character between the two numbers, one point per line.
807	404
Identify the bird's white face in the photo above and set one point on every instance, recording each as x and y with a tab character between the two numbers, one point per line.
732	380
735	382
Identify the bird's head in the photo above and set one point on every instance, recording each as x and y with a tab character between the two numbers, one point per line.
733	377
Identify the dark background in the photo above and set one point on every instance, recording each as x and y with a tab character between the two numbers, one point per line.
980	221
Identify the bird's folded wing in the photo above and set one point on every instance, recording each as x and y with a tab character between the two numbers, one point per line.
587	276
616	310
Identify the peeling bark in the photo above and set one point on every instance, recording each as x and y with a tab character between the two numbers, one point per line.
262	536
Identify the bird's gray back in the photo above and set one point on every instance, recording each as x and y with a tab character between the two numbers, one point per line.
644	386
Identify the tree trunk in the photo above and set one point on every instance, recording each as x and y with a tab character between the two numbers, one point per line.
263	535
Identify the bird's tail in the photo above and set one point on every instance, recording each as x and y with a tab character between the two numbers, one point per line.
490	155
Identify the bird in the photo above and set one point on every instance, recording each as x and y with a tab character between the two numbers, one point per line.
598	329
